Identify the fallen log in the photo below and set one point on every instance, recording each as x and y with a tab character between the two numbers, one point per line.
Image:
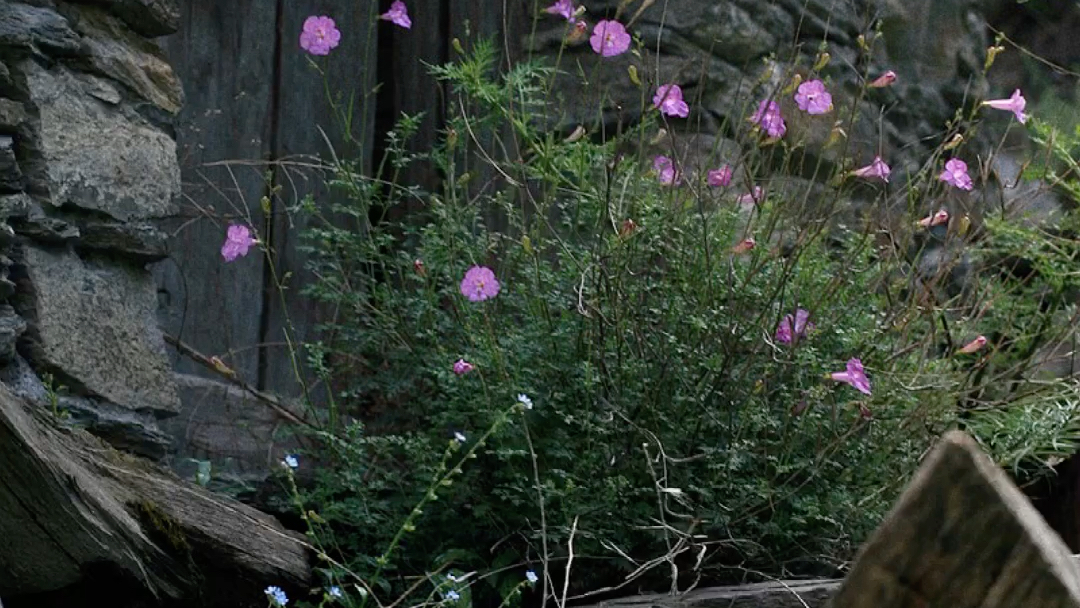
76	514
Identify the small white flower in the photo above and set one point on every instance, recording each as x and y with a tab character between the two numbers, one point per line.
452	595
523	399
460	438
334	591
531	577
290	461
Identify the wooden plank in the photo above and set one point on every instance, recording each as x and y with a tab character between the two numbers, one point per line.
411	89
962	535
506	24
302	109
776	594
223	55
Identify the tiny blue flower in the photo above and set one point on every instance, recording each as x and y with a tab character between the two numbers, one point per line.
452	595
459	437
276	596
531	577
290	461
523	399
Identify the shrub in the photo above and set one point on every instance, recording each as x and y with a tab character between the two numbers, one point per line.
665	384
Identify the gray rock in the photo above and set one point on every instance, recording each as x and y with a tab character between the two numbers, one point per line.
725	29
44	229
7	288
120	54
12	115
11	177
1031	203
99	156
22	25
141	242
227	426
718	51
94	323
15	205
135	432
11	327
151	18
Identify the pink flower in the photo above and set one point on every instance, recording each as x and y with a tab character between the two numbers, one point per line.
768	117
670	101
1014	104
751	198
319	35
237	242
479	284
936	219
721	177
665	170
877	169
791	328
812	97
853	375
609	38
418	266
973	346
884	80
462	367
398	15
956	173
563	8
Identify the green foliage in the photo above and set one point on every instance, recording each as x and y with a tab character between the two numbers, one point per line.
672	435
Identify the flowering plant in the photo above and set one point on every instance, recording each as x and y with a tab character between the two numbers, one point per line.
589	309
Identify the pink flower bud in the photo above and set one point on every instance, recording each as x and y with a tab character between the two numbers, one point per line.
974	346
884	80
941	217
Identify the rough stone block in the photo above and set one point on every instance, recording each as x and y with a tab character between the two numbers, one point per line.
22	25
124	56
12	115
151	18
97	155
227	426
11	327
94	324
11	178
135	432
141	242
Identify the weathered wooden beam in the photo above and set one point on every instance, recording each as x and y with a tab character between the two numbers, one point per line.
961	535
71	506
776	594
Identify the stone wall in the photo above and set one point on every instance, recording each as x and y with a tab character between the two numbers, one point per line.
88	176
728	55
87	165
